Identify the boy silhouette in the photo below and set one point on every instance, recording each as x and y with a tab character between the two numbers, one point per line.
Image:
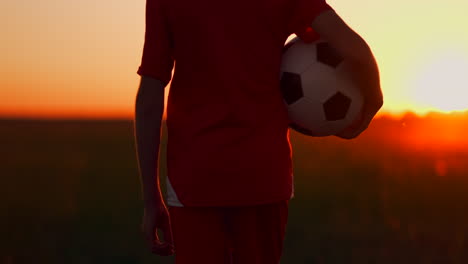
229	168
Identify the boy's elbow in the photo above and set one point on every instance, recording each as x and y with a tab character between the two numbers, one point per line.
349	44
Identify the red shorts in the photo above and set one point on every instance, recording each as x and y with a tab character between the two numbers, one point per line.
229	235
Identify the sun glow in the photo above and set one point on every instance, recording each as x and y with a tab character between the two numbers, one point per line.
442	82
61	61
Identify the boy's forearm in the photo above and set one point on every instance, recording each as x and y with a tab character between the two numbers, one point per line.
358	57
149	109
366	74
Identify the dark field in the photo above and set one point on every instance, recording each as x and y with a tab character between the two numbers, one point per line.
398	194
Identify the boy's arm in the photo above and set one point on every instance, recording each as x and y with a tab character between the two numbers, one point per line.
149	109
359	59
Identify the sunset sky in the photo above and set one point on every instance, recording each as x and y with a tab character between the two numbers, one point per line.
63	58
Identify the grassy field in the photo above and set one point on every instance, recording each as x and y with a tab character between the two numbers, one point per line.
397	194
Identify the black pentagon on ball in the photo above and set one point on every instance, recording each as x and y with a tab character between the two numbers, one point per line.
336	107
291	87
327	55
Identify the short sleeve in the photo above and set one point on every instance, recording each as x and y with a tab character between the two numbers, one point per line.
157	58
303	14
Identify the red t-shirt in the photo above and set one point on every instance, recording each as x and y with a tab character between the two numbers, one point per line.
228	138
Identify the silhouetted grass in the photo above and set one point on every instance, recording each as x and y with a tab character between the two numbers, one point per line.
71	194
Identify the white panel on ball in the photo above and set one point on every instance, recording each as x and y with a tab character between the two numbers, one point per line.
307	114
320	97
298	58
319	82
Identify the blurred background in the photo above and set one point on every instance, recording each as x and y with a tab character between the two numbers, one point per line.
70	190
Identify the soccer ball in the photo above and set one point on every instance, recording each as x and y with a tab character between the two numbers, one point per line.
320	98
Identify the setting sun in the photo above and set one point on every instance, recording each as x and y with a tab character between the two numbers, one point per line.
442	83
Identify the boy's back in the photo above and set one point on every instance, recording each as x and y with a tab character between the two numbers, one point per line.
227	124
228	145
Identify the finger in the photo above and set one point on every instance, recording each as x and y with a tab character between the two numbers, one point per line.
164	224
351	133
351	130
162	249
150	235
366	122
163	245
364	125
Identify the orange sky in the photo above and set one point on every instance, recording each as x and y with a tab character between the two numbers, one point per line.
79	58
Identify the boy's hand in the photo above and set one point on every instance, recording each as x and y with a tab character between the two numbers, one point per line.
157	217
